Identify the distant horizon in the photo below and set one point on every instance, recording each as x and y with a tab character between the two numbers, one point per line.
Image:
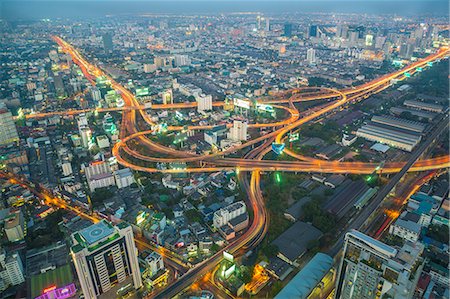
39	9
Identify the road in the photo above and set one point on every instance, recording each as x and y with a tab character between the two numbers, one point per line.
131	131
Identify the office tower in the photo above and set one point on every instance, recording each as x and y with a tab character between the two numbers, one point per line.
287	30
311	56
107	42
105	259
371	269
59	85
239	130
167	97
204	102
313	31
8	130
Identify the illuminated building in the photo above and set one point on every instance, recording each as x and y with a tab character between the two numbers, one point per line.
167	97
372	269
8	130
105	259
369	40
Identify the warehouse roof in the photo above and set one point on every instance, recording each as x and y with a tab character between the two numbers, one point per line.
304	282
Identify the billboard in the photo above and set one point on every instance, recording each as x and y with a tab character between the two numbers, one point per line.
142	92
264	107
227	273
241	103
278	148
228	257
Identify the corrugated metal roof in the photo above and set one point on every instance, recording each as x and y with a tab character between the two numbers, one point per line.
304	282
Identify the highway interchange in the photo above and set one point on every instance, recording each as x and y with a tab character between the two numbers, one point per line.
253	161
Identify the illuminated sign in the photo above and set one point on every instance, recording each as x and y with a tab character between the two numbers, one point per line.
430	63
140	217
397	63
179	115
228	257
419	69
49	289
294	137
278	148
407	75
241	103
264	107
227	273
142	92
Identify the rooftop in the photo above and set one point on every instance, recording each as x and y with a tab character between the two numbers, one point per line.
304	282
97	232
294	241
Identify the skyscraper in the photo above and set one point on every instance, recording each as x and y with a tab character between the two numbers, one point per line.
107	42
288	29
311	56
313	30
8	130
371	269
105	258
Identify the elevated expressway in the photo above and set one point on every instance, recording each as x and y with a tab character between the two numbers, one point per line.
338	99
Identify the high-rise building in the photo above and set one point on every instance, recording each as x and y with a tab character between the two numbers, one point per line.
107	42
311	56
239	130
204	102
371	269
8	130
105	258
267	28
11	269
96	94
313	31
287	30
369	40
